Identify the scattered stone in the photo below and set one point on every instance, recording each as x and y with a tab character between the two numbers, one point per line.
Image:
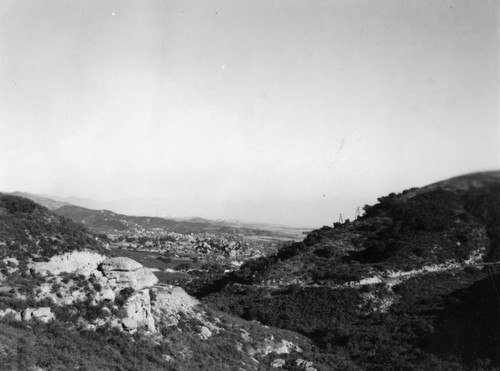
278	362
245	335
305	365
205	333
43	314
167	357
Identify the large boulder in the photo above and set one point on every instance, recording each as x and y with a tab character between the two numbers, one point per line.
137	279
129	324
125	272
205	333
120	264
278	363
107	294
43	314
137	311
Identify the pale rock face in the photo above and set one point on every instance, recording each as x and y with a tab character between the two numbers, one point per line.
82	262
129	324
270	345
171	301
120	264
306	365
43	314
26	314
107	294
138	309
126	272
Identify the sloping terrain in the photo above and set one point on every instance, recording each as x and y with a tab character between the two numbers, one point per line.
391	290
48	202
29	230
105	221
412	284
65	305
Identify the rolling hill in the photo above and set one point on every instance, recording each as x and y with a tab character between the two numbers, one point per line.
398	288
48	202
29	230
105	221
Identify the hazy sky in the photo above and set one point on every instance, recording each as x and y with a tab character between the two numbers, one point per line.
282	111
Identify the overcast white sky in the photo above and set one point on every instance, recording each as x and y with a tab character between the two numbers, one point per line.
281	111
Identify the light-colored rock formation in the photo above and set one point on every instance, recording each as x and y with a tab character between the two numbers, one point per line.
137	308
129	324
81	262
43	314
205	333
305	365
107	294
171	301
270	345
277	363
127	273
11	312
137	279
120	264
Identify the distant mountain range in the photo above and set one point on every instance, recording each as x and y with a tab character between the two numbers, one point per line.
106	221
49	202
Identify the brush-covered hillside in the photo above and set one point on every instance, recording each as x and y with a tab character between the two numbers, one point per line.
412	284
31	231
455	221
66	305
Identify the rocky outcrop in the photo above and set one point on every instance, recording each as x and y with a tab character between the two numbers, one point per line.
277	363
305	365
205	333
108	279
120	264
43	314
127	273
170	301
81	262
271	345
137	310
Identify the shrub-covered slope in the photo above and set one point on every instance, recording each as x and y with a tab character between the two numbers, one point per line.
399	288
455	220
30	230
89	317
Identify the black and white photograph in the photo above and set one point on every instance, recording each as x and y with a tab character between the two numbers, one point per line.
233	185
